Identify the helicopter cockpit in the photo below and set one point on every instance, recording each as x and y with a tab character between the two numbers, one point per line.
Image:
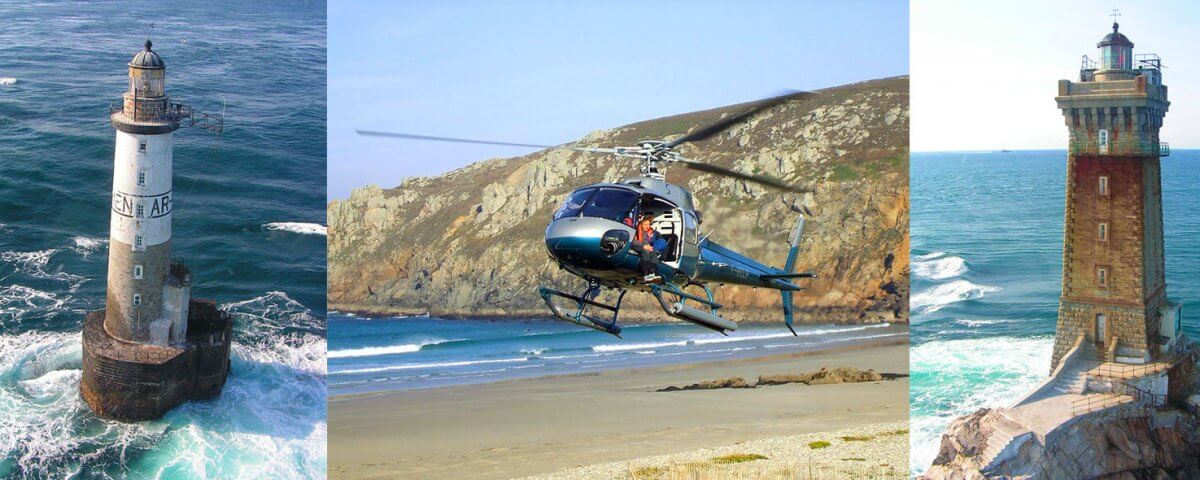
627	206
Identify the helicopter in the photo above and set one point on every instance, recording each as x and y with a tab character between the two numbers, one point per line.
591	235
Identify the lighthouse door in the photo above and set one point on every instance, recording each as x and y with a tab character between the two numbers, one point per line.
1101	329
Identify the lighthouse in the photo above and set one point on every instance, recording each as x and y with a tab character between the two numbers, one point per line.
1114	293
141	304
153	345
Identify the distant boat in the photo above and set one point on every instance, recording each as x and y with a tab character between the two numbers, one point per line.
1005	150
8	81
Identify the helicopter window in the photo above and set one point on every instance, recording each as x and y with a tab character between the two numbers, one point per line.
574	203
611	203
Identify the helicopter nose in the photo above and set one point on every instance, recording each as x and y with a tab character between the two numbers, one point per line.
585	241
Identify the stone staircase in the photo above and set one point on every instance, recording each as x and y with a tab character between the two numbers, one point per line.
1006	435
1073	378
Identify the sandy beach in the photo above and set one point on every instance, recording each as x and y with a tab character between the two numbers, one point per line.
553	424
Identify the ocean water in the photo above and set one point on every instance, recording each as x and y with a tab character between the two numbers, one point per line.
986	271
250	207
421	352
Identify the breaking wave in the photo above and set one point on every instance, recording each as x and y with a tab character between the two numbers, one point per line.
938	296
938	266
412	366
34	264
953	378
86	246
385	350
709	340
298	227
268	422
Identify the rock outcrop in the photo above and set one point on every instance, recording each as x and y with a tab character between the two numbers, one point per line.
469	242
1129	443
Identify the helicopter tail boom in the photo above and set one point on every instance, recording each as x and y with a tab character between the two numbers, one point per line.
790	269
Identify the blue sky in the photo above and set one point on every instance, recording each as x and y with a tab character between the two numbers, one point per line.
551	72
984	74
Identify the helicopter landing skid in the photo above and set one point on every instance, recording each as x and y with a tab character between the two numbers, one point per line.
710	319
584	301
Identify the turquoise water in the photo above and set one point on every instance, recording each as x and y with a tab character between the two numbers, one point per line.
420	352
986	273
266	62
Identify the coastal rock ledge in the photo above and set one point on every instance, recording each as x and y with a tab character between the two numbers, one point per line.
1131	443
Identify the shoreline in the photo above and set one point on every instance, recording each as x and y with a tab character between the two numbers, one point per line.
542	425
815	315
864	345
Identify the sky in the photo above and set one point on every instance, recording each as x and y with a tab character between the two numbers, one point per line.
984	74
549	72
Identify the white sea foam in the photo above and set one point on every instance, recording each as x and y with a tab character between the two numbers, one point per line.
938	296
18	302
621	347
35	263
385	350
413	366
961	376
298	227
802	332
534	351
979	323
86	246
735	337
271	411
940	267
274	310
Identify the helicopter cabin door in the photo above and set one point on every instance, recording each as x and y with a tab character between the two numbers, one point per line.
690	253
669	224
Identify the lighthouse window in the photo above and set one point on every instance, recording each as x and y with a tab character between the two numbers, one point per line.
141	211
137	299
1103	232
142	146
1102	277
137	272
1103	185
141	179
137	242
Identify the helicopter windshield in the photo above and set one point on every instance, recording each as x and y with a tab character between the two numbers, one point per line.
609	203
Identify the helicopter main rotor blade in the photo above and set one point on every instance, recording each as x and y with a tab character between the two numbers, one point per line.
409	136
759	179
724	123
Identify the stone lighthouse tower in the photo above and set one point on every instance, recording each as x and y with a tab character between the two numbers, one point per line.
141	305
153	345
1114	299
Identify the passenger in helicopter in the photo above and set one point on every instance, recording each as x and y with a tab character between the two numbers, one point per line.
649	245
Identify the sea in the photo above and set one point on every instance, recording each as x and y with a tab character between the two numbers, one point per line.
986	270
249	221
403	353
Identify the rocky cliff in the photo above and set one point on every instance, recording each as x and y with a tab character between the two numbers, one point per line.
469	242
1129	444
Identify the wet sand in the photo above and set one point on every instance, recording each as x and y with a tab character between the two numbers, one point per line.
544	425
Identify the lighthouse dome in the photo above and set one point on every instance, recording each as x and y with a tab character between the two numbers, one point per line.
147	58
1115	39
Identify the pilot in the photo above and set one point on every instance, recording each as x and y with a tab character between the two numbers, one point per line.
649	245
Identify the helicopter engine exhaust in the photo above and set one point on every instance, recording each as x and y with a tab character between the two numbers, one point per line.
704	319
